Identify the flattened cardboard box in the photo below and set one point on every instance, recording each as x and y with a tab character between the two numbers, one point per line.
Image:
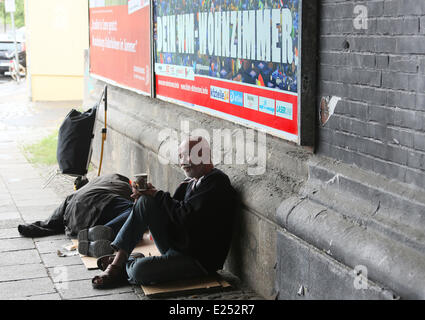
208	282
148	248
145	246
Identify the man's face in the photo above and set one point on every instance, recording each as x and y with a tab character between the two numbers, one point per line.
190	160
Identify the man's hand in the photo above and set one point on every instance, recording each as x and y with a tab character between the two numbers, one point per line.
150	191
136	193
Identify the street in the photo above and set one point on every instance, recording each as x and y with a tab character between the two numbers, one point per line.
31	268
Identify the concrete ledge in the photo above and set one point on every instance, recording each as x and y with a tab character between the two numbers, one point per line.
305	273
369	185
389	207
388	262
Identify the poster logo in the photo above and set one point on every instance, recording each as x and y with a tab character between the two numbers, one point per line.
267	105
284	110
219	94
236	98
251	101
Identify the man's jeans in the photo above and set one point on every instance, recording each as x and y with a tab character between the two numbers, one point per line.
171	265
116	213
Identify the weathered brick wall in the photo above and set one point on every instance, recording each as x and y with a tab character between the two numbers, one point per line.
379	74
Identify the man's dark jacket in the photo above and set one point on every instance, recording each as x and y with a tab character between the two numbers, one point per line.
202	218
82	209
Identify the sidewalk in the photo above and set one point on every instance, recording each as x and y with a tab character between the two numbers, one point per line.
31	268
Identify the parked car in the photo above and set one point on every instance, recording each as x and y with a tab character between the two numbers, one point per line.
7	53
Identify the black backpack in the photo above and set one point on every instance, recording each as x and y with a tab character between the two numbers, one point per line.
75	142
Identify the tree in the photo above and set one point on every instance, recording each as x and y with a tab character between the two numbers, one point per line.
19	14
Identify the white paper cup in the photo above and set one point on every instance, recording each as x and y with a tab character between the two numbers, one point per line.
141	181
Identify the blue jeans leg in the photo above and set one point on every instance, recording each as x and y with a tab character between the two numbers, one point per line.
116	213
144	215
168	267
117	223
171	265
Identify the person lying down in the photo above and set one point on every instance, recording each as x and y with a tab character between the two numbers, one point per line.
97	203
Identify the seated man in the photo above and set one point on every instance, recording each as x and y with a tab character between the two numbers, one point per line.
192	229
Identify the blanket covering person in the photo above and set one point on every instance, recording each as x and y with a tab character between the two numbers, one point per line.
82	209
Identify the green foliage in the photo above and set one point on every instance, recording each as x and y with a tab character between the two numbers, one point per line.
19	14
43	152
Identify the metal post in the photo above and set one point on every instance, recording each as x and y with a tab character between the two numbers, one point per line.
12	16
4	16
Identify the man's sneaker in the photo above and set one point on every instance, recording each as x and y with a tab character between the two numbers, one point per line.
96	248
96	233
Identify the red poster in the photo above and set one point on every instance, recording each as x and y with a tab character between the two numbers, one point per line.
237	60
120	45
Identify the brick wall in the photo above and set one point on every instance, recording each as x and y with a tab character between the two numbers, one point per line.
379	74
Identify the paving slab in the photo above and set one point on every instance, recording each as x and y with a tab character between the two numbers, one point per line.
37	213
10	223
16	244
9	233
4	196
25	183
26	187
52	245
48	296
53	260
32	193
60	236
7	205
23	171
17	182
9	215
9	151
118	296
5	208
36	202
37	209
22	272
83	289
25	288
19	169
11	159
15	258
72	273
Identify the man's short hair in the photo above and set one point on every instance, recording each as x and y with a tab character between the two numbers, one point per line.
200	150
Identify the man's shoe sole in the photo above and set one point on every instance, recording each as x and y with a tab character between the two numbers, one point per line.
95	249
96	233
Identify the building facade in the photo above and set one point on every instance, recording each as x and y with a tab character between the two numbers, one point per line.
334	211
55	48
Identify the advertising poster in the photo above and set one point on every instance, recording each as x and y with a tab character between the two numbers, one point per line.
120	43
236	59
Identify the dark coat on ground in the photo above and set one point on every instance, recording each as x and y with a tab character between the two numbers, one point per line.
82	209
